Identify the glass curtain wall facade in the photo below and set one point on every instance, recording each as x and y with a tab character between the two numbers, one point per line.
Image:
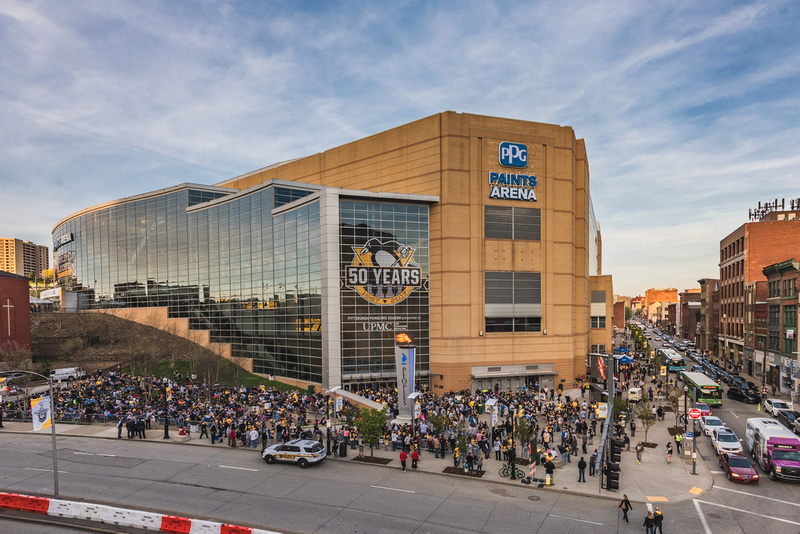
219	258
247	267
388	237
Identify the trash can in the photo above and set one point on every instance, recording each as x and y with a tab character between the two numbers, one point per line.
310	390
342	449
480	409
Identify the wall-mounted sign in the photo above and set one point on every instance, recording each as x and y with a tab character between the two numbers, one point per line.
513	154
62	240
383	272
509	185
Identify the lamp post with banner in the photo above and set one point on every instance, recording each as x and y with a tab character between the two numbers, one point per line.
44	414
694	413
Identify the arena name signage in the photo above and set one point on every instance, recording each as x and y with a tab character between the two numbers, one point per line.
512	186
383	272
63	240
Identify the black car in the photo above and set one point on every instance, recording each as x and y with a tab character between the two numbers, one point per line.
787	417
743	395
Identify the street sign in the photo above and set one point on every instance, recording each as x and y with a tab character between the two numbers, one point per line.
694	413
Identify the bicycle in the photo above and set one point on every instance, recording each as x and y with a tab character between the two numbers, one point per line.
505	471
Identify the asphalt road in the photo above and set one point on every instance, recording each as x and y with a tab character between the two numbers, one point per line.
236	486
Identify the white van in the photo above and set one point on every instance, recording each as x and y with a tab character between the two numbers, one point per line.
634	394
67	373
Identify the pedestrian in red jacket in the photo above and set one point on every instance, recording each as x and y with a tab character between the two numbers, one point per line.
414	459
403	458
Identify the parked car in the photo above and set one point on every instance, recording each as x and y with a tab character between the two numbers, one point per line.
773	406
711	422
738	468
787	418
299	451
743	395
725	441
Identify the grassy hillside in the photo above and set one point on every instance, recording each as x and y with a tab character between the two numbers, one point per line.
99	341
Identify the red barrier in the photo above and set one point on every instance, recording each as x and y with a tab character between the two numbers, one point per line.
37	505
175	525
9	501
233	529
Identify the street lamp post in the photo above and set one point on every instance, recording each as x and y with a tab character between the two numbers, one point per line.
332	411
52	425
685	410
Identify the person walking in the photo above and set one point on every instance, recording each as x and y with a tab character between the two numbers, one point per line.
414	458
582	470
639	451
625	506
403	459
633	428
669	452
658	519
649	523
592	462
679	443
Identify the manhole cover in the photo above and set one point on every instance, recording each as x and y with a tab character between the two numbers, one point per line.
533	498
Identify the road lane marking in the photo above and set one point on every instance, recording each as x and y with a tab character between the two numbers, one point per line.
84	453
702	516
746	512
109	455
717	472
734	414
47	470
239	468
576	519
756	495
393	489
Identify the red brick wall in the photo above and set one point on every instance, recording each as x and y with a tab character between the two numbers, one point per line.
15	311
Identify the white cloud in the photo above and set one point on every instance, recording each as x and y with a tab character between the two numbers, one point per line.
688	109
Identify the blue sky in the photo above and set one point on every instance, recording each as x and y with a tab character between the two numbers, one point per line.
690	110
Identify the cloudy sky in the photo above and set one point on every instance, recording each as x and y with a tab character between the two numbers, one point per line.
689	109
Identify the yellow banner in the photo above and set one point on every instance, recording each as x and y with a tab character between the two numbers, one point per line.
40	410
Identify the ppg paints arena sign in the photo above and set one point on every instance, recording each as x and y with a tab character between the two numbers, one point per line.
510	185
383	272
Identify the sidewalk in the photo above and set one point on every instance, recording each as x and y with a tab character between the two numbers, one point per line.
652	481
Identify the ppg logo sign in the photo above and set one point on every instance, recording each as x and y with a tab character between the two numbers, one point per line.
513	155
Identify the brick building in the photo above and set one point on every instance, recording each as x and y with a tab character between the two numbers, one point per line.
689	313
755	327
15	313
781	353
743	255
708	328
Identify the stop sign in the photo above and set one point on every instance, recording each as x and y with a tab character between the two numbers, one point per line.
694	413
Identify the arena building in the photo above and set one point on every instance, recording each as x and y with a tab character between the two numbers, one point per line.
475	235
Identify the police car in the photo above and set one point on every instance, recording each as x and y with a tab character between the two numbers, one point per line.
299	451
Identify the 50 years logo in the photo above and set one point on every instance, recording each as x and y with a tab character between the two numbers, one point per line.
383	272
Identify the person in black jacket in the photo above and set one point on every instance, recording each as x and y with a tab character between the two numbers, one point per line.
581	470
658	519
649	523
625	506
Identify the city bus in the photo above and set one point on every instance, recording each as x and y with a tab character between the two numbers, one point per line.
703	389
672	359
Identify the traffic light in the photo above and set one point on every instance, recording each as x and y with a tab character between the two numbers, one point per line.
616	450
612	476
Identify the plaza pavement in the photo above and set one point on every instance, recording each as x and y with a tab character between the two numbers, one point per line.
652	481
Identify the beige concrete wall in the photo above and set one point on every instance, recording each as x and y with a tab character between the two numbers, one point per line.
450	155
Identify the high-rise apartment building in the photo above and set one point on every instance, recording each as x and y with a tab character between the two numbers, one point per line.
22	257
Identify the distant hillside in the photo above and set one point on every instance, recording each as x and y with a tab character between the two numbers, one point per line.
97	340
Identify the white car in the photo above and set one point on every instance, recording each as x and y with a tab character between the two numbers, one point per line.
773	406
299	451
711	422
725	441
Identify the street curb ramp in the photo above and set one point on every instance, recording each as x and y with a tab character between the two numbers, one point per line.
112	515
